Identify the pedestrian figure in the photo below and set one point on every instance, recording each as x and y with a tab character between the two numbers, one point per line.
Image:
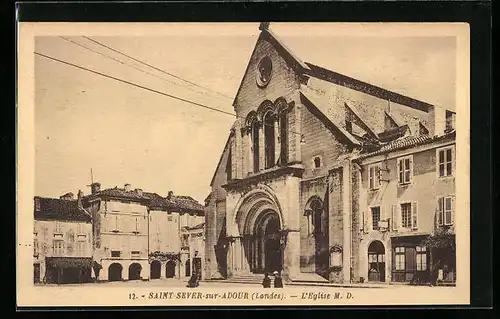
278	281
266	283
194	280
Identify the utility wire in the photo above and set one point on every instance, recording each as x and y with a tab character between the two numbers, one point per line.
151	66
146	88
129	65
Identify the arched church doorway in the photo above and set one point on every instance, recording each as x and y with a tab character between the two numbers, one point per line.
155	269
266	248
376	261
134	271
115	272
170	269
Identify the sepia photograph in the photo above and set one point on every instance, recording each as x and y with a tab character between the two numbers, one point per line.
243	164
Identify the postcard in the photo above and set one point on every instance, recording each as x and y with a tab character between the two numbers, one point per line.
243	164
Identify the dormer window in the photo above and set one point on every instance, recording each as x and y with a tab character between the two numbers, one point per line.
449	122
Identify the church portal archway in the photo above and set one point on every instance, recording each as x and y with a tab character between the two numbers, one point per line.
265	254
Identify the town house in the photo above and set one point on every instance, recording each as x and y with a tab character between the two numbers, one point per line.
282	193
121	231
406	197
62	243
169	218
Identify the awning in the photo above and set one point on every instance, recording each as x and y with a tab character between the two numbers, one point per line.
68	262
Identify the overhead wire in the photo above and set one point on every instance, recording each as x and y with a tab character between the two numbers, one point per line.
146	88
132	66
156	68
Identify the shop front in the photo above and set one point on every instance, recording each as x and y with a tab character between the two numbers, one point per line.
68	270
410	260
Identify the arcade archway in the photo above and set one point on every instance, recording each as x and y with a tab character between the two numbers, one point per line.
170	269
115	272
155	269
134	271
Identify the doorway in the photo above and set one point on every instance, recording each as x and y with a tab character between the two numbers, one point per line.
36	273
188	268
155	269
134	271
265	248
115	272
376	262
170	269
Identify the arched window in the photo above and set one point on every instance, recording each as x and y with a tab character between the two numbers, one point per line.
284	137
269	139
316	218
255	142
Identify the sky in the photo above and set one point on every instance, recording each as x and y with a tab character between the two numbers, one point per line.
129	135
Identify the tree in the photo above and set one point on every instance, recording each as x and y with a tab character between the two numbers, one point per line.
442	238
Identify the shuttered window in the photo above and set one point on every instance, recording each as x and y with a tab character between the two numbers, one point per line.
445	211
405	170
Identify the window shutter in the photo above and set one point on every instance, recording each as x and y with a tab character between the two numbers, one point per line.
453	161
399	171
440	211
453	210
414	213
378	175
394	218
411	169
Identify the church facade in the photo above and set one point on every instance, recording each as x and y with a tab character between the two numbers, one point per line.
285	193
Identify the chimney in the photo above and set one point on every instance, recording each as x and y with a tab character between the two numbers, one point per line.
67	196
128	187
79	200
450	121
170	194
138	191
95	188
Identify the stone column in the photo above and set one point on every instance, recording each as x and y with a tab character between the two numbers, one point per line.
246	253
346	221
237	255
292	255
249	151
298	129
230	259
262	147
277	140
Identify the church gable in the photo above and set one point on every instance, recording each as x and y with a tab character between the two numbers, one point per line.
272	72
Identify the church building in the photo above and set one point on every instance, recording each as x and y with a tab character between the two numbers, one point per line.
284	196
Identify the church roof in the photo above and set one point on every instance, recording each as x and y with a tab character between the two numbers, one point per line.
324	74
321	106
